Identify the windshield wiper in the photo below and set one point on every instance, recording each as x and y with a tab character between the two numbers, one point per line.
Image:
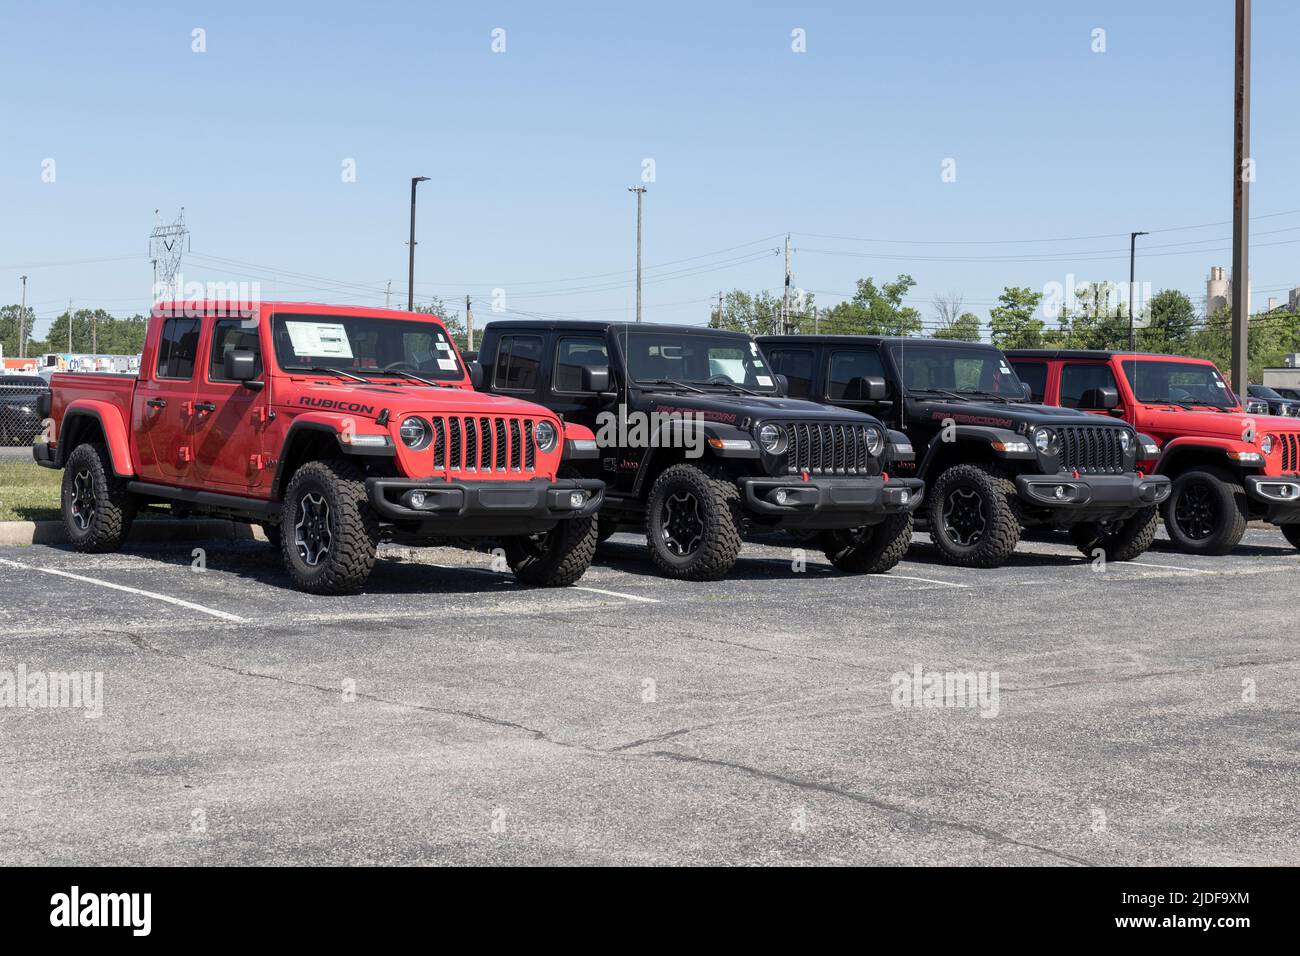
979	391
326	370
402	373
938	391
671	384
735	385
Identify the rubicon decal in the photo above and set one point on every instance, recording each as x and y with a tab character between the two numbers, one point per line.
973	419
334	404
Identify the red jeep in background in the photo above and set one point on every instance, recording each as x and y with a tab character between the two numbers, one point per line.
1227	467
329	426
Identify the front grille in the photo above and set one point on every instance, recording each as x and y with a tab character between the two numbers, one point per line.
1290	447
828	449
1091	449
485	445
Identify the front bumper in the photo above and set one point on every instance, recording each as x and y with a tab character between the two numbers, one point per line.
1280	497
483	507
1093	494
830	502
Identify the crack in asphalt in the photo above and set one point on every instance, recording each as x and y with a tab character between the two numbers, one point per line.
995	836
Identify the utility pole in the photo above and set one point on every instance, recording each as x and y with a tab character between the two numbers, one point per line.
785	299
816	322
22	322
640	191
69	325
410	272
469	325
94	338
388	294
1132	253
720	325
1241	204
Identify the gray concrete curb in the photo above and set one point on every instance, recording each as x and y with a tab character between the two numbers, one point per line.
142	532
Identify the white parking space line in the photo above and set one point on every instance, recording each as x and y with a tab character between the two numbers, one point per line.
909	577
122	587
1162	567
621	594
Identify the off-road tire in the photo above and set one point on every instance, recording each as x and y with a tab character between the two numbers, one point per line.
605	528
555	558
722	521
1292	533
352	524
1120	540
1226	496
112	507
997	496
871	550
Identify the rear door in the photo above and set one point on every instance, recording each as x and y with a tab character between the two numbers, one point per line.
162	410
230	416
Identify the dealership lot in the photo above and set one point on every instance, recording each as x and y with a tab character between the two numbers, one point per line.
1147	713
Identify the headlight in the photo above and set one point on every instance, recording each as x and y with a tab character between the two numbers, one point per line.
1125	439
875	442
772	438
544	434
415	432
1266	444
1045	441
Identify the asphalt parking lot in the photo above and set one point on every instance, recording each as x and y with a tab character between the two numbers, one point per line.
1146	713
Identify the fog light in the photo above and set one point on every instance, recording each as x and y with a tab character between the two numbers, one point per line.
417	499
781	497
1285	491
577	499
1060	492
904	497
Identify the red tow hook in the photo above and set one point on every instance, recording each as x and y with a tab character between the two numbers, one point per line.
1076	474
1141	475
885	475
804	474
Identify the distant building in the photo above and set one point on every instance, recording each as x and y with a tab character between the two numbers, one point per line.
1293	300
1218	291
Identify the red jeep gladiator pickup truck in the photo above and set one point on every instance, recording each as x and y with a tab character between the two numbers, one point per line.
329	426
1227	467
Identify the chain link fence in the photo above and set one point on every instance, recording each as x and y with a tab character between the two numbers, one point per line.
20	418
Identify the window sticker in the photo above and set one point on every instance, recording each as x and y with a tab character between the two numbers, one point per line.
319	338
447	364
764	380
443	346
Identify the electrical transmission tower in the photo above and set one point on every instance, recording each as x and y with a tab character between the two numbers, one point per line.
166	244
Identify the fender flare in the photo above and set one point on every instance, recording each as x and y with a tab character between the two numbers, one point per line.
1197	443
111	424
325	423
981	434
719	430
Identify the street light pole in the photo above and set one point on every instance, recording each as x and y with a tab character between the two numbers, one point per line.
640	191
410	271
1132	256
1241	203
22	322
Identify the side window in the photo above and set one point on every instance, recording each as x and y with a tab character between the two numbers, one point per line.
572	355
1033	374
519	359
178	347
228	335
797	366
1078	379
849	373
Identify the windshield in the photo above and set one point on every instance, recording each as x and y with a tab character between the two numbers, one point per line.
363	345
1262	391
1178	383
698	360
962	371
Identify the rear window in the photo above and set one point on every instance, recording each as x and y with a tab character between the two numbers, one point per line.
178	347
1033	374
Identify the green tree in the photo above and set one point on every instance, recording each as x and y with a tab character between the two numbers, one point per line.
10	328
1171	322
874	310
965	327
760	313
1012	321
450	318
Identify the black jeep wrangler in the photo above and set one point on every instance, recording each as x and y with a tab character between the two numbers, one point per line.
698	445
992	462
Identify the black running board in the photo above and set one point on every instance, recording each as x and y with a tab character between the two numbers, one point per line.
205	499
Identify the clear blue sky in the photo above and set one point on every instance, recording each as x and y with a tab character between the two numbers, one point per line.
531	150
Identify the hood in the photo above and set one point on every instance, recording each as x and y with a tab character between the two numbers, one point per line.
1009	415
405	398
1217	424
735	408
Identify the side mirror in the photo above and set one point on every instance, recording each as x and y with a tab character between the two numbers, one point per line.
1099	399
595	378
475	373
782	384
875	388
240	365
1026	391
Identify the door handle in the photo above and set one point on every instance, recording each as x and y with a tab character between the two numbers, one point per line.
157	403
205	406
